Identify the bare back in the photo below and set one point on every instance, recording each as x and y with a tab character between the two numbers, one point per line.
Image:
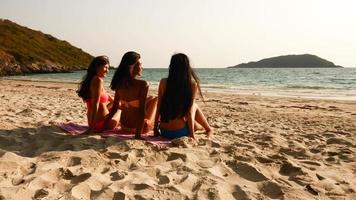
132	103
177	123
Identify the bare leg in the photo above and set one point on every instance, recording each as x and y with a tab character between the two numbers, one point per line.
115	121
150	112
197	126
193	113
201	120
112	124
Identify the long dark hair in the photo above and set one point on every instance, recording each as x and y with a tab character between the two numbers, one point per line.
84	86
122	77
178	96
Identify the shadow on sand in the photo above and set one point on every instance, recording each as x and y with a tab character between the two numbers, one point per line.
31	142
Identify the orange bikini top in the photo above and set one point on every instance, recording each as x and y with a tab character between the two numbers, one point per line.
102	99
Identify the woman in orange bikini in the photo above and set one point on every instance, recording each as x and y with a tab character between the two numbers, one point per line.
177	113
98	102
137	110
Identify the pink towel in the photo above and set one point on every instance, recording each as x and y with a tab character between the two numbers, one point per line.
77	129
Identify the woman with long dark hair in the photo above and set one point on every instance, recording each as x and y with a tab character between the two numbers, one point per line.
177	112
137	110
92	92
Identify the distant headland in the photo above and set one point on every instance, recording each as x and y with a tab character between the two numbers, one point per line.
290	61
23	50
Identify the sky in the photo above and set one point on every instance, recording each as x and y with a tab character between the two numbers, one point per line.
213	33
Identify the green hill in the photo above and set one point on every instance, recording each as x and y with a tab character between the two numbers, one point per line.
290	61
23	50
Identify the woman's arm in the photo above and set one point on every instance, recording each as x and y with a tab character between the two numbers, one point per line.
191	114
95	90
114	108
111	99
141	109
157	116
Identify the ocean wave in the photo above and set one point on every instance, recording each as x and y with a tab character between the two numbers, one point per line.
309	87
214	86
343	79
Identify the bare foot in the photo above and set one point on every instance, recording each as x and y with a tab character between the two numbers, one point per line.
209	133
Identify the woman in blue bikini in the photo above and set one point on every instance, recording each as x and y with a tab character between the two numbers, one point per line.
177	113
137	110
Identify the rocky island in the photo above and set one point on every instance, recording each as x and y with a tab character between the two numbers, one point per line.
290	61
23	50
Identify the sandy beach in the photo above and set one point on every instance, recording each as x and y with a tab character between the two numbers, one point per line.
263	148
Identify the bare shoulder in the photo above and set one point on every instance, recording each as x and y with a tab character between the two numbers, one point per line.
194	84
142	83
96	81
163	81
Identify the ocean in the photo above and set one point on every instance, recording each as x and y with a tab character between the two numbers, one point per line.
324	83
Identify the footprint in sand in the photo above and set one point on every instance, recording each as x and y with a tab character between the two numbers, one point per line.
142	186
113	155
73	161
288	169
186	142
296	153
239	194
163	179
176	155
17	180
315	150
246	171
105	193
41	193
213	193
28	169
189	182
308	162
208	163
271	189
339	141
66	174
345	158
208	143
80	178
264	160
115	176
119	196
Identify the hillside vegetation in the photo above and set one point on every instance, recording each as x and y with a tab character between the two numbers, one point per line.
23	50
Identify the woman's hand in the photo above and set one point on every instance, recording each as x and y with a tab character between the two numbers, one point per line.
156	132
192	136
111	98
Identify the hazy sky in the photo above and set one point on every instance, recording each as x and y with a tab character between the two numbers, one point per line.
213	33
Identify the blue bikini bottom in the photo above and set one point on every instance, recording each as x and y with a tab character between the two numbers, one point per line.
175	133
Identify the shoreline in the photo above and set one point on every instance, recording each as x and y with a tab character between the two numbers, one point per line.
263	93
